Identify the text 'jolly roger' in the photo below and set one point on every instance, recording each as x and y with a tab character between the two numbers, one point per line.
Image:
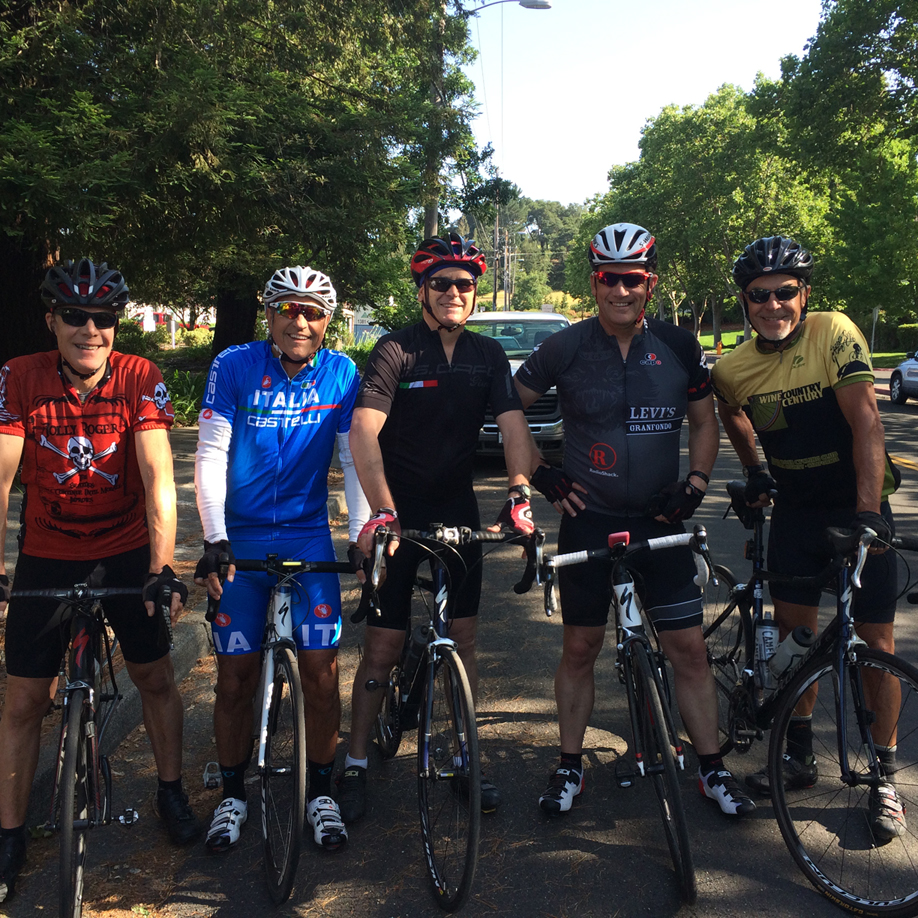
82	454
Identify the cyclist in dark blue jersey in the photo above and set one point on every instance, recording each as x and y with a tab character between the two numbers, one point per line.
269	421
627	383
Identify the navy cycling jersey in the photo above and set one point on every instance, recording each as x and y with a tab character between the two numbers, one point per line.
435	408
282	434
622	418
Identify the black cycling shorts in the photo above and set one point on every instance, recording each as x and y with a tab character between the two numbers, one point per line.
664	579
463	563
797	545
33	655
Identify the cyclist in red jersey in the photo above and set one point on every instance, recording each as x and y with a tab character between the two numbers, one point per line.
90	427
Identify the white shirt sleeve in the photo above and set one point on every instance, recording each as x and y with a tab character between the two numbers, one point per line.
210	464
358	510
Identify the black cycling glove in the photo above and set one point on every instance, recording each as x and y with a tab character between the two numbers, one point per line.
212	559
677	501
153	585
552	482
875	522
759	483
357	558
4	588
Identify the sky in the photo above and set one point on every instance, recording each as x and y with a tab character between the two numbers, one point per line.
563	93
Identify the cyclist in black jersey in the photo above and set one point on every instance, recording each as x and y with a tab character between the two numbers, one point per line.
804	386
413	438
626	384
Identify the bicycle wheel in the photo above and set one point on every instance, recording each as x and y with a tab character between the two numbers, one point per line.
283	780
660	766
388	724
75	805
727	632
449	782
827	826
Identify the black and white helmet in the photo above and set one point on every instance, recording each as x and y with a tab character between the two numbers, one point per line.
300	281
772	255
623	243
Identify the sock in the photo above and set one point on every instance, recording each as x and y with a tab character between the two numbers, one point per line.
234	780
355	763
800	739
885	754
171	785
13	833
709	763
320	779
573	761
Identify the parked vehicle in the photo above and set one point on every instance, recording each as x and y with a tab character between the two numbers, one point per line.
519	333
903	384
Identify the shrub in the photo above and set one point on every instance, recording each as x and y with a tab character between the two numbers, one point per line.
186	389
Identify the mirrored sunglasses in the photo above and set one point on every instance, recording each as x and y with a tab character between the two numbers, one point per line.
77	318
631	280
309	311
445	284
782	294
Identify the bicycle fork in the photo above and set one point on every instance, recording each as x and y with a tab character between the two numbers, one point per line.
279	631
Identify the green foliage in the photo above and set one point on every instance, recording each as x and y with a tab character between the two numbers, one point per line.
132	339
186	389
358	351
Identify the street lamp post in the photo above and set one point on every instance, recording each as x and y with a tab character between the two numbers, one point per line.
432	167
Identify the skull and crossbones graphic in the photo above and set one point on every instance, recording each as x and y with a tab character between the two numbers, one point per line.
82	454
160	398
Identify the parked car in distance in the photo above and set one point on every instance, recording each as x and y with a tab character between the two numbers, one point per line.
519	333
903	384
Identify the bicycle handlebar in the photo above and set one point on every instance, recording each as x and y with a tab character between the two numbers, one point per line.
620	547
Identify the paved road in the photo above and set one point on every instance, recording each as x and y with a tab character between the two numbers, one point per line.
606	858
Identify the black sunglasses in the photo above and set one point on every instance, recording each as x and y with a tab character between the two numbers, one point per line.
782	294
631	280
445	284
77	318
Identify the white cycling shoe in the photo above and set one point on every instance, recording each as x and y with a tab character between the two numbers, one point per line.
327	826
229	818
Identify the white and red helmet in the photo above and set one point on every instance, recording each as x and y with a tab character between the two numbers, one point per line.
623	244
301	281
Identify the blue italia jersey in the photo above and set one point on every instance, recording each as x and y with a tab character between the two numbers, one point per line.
278	435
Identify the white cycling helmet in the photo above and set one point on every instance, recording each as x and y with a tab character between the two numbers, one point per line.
301	281
623	243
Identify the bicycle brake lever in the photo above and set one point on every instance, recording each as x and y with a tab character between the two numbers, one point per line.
213	605
866	538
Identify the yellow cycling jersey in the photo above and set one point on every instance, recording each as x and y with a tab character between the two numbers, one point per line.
789	396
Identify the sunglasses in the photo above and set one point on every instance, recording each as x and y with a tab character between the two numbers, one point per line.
782	294
631	280
77	318
309	311
445	284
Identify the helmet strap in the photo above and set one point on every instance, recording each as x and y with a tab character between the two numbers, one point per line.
440	326
78	374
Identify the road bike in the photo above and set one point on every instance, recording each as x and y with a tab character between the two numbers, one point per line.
81	798
864	698
656	745
279	717
428	689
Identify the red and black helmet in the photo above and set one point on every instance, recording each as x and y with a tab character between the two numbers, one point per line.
84	283
437	253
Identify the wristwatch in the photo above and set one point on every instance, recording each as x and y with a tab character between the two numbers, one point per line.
523	490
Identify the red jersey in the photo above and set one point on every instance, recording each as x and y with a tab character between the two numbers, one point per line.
84	494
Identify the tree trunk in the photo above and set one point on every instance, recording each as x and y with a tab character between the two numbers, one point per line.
236	314
23	263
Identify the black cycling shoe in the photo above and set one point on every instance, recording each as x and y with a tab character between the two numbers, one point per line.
173	809
352	793
12	859
490	796
797	776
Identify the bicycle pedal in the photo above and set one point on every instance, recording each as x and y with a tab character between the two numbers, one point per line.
212	775
129	817
624	774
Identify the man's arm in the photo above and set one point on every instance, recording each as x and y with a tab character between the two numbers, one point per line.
154	457
858	403
519	446
368	461
703	439
10	454
740	431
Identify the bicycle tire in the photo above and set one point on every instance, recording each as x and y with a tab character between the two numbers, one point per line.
727	630
283	779
388	724
660	767
449	794
75	805
826	827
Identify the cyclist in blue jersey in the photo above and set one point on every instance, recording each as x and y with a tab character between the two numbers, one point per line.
627	383
271	415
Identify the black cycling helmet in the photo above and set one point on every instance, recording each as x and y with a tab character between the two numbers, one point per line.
84	283
772	255
452	250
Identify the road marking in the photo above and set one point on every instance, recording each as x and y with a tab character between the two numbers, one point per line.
906	462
